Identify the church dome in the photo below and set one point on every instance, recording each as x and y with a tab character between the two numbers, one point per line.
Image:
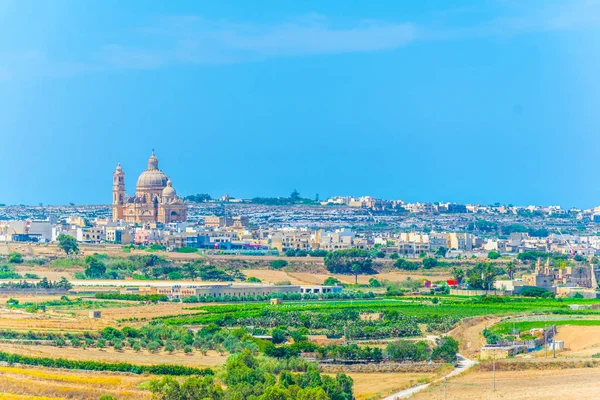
152	178
169	191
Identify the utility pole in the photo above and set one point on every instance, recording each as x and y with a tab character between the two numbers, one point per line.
545	339
445	388
494	368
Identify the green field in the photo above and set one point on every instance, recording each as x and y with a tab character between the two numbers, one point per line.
505	327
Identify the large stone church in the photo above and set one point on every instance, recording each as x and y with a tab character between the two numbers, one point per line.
155	200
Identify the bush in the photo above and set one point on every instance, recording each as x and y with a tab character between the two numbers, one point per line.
446	350
536	292
278	264
290	253
12	302
429	263
401	263
170	347
153	346
175	276
15	258
187	250
187	349
278	335
493	255
331	281
252	279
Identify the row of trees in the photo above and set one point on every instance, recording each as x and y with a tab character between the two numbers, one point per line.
247	377
44	283
101	266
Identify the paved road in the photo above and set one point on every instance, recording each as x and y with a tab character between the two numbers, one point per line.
463	365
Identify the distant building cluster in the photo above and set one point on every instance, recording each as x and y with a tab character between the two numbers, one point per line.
155	214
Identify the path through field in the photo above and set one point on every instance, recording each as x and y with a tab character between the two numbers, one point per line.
463	365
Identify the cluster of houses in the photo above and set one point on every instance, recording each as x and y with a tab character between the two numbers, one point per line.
237	234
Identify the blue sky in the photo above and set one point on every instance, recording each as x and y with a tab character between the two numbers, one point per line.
466	101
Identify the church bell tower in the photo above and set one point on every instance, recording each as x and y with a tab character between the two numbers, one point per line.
118	193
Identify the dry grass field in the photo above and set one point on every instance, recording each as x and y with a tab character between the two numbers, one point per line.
378	385
580	341
42	383
577	384
110	355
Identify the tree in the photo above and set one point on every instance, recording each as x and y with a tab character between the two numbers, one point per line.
493	255
482	276
278	335
95	268
190	270
394	256
458	274
356	270
446	349
349	261
68	244
295	195
511	268
441	252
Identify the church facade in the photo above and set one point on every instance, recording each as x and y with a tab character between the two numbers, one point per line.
155	200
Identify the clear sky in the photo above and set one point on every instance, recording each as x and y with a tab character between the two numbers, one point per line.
466	101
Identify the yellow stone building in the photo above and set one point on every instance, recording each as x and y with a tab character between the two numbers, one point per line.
155	200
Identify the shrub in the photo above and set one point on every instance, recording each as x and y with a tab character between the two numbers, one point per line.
153	346
186	250
278	264
278	335
252	279
493	255
536	292
15	258
446	349
429	263
187	349
290	253
331	281
401	263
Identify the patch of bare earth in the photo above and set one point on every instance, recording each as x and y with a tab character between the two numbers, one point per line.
468	334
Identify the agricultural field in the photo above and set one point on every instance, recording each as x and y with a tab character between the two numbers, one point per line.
44	340
569	383
36	383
